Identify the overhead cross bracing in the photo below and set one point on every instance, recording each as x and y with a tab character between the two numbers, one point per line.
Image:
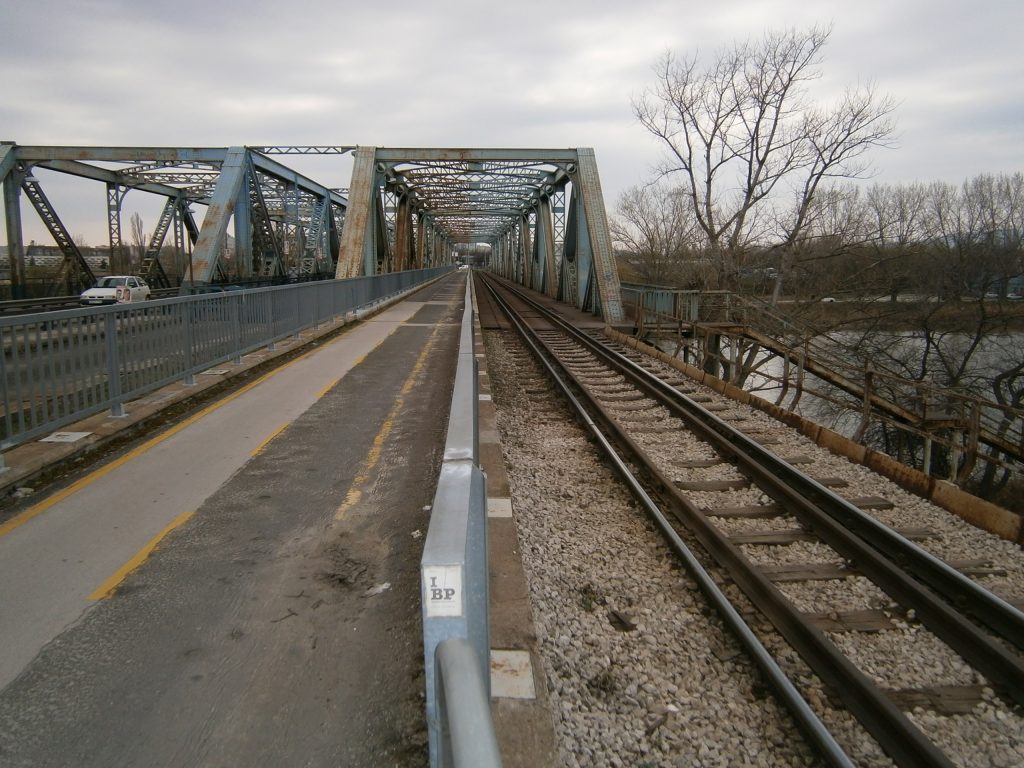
407	206
473	201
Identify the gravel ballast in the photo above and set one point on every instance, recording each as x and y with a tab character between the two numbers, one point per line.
640	671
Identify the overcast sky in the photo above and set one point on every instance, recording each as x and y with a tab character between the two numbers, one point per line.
458	73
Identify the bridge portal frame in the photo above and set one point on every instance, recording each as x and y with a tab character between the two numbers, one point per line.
409	207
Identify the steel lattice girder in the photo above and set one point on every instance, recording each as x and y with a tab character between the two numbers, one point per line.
511	199
155	169
193	175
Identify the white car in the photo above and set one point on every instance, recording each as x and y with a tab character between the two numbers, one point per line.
116	289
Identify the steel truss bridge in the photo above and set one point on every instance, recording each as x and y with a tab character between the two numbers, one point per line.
540	211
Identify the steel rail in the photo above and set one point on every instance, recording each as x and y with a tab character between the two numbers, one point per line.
881	553
785	483
808	722
867	702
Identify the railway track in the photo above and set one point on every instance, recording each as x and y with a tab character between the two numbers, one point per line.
687	465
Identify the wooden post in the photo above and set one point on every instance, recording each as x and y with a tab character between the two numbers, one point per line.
865	416
712	352
971	449
785	380
799	379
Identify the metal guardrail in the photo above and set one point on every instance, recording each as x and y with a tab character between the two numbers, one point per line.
453	573
59	367
468	739
970	428
654	307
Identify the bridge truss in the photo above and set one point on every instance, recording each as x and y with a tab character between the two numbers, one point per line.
262	221
540	211
408	208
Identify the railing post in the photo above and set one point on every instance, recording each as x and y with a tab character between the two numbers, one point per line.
8	419
800	363
187	310
971	447
865	417
236	325
113	365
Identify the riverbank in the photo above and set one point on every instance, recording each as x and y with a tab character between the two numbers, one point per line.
952	316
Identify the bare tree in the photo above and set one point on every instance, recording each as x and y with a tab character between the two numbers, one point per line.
139	241
654	225
896	216
743	130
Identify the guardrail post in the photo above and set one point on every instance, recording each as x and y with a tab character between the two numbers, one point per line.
113	366
8	420
271	303
316	306
187	309
236	324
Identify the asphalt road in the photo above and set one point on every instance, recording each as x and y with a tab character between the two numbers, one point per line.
277	621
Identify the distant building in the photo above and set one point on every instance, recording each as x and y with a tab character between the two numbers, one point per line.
49	257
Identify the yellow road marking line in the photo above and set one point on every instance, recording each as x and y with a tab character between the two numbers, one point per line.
37	509
108	587
355	492
330	386
259	448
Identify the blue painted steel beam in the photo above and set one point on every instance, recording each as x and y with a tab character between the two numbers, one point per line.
73	160
11	184
283	172
606	272
213	233
86	171
8	159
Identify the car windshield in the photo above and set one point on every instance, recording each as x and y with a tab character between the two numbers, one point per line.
110	282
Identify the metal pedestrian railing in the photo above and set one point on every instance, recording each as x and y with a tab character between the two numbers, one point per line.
59	367
971	435
453	572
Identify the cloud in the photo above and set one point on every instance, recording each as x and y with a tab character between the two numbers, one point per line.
458	73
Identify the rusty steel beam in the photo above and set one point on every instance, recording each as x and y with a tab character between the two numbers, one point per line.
358	234
214	230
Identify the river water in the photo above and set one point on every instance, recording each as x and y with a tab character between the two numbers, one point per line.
947	357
